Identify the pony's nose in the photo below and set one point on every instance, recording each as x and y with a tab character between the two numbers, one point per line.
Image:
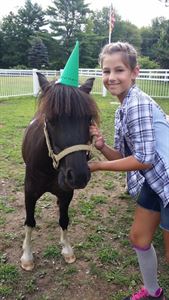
70	177
77	180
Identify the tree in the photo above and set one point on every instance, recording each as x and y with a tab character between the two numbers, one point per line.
31	17
160	43
101	24
38	54
17	30
54	48
162	47
67	19
89	42
147	41
1	48
124	31
127	32
146	63
11	41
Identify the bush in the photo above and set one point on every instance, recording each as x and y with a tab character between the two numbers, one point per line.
146	63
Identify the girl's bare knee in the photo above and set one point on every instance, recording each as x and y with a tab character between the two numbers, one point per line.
139	240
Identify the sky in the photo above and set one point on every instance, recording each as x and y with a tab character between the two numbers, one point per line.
138	12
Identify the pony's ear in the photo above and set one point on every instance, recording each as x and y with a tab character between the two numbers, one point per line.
87	86
43	82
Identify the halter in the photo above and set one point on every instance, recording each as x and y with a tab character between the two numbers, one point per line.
57	157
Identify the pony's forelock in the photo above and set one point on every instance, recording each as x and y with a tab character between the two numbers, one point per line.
58	100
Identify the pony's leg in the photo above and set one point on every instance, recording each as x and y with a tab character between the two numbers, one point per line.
31	197
27	262
67	250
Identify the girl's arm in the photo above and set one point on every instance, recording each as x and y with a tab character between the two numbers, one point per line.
110	153
129	163
99	142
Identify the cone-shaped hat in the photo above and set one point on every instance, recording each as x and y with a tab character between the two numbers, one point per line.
70	73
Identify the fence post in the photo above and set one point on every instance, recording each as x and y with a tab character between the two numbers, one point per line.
36	86
104	91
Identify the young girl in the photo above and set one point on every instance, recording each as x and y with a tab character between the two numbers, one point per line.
141	147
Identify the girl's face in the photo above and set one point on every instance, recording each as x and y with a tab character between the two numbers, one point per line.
118	77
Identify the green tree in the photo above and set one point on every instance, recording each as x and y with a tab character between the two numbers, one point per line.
146	63
147	41
11	41
123	31
1	47
31	17
38	54
89	41
101	25
161	47
54	48
127	32
67	19
17	30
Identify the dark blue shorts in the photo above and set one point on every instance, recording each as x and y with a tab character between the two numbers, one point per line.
150	200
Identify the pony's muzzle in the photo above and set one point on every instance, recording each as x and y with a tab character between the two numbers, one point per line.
77	180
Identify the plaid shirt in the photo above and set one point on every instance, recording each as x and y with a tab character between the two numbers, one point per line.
137	125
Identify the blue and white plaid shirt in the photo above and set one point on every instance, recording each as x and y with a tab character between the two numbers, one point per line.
142	124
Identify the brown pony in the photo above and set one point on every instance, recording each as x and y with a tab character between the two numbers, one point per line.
55	150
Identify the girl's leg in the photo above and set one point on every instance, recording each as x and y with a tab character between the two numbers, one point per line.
144	226
142	231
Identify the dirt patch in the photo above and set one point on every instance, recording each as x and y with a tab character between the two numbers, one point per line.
105	268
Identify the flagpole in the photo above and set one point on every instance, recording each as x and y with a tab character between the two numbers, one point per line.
110	13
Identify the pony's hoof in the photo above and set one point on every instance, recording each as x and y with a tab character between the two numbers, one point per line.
27	265
69	259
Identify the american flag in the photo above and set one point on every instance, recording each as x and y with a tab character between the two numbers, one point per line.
111	19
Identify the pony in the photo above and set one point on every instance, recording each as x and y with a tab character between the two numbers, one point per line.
56	149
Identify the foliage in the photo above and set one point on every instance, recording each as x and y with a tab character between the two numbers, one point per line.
161	50
147	41
38	54
127	32
16	32
64	22
31	17
146	63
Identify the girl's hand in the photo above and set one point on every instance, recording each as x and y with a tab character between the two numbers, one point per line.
99	140
94	166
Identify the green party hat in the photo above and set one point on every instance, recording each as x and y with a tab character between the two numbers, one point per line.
70	73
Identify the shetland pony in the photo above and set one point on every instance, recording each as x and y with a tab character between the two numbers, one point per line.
55	150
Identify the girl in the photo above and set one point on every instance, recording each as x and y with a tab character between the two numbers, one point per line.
141	147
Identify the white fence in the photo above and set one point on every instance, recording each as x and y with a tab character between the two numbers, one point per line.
24	82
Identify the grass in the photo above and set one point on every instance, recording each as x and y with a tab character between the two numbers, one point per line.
101	216
24	86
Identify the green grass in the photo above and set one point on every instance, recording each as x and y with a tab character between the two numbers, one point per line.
24	86
51	252
16	85
101	216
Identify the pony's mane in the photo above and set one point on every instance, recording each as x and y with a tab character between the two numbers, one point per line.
58	100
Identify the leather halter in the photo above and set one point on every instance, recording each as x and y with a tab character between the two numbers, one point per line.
57	157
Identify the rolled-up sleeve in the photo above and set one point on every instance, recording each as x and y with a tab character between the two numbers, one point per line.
140	130
117	133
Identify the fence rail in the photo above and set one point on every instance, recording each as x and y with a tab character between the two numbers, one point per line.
13	82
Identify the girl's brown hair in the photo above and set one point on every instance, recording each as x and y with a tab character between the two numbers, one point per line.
129	53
